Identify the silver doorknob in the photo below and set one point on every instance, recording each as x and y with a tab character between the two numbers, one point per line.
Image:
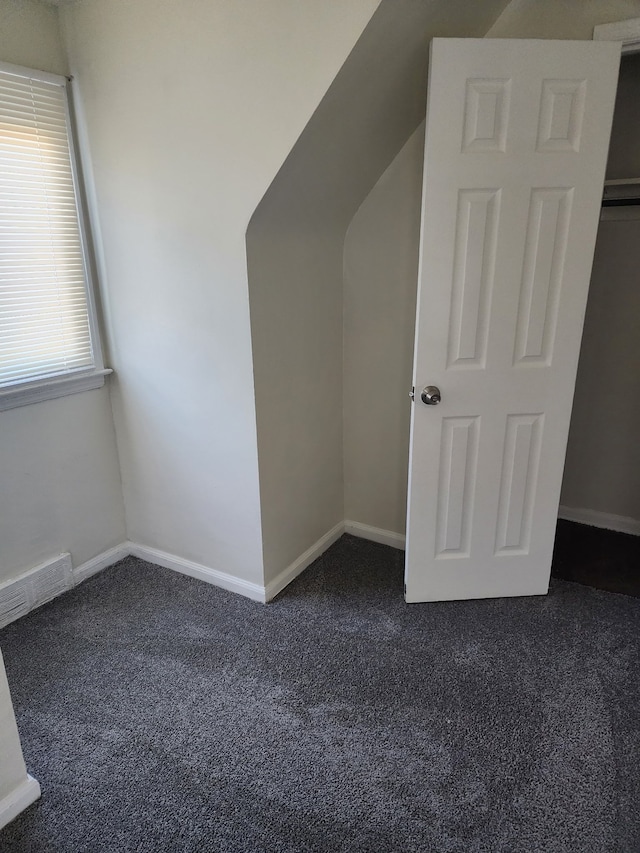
430	395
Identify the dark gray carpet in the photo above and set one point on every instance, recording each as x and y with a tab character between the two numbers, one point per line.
162	714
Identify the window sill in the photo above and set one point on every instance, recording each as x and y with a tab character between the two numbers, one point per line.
36	392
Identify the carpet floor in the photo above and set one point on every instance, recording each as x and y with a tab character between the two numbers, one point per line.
162	714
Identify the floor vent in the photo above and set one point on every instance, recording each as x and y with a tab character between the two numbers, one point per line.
34	588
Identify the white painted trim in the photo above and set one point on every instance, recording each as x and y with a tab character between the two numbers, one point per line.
84	226
304	560
628	32
48	389
606	520
33	74
18	800
196	570
231	582
102	561
375	534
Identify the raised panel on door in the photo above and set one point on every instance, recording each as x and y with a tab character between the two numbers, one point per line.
519	483
473	274
515	151
458	468
542	274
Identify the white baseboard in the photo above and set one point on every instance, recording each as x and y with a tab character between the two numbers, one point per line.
18	800
375	534
316	550
606	520
234	584
196	570
102	561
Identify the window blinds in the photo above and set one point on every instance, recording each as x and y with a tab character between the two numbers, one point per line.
44	320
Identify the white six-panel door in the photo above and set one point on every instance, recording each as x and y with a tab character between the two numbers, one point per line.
515	153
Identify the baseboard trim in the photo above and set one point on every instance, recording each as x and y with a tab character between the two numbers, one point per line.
254	591
102	561
375	534
304	560
605	520
18	800
196	570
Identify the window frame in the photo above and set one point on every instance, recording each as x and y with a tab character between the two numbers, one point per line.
29	391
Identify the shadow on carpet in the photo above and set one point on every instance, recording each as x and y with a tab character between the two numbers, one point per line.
162	714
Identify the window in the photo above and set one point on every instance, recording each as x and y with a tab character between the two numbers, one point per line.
49	342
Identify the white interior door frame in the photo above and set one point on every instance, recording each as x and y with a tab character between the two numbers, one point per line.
627	32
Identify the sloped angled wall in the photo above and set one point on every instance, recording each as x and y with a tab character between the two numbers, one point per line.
190	108
295	244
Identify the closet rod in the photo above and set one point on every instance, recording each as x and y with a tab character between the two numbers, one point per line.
621	192
620	202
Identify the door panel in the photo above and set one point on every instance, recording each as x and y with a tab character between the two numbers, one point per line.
458	466
515	152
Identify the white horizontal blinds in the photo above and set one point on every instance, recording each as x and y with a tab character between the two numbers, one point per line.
44	322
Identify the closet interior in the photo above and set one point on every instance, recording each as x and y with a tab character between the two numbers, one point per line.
601	484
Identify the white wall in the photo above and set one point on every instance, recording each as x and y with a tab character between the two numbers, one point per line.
59	473
297	346
29	36
380	281
191	109
60	482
